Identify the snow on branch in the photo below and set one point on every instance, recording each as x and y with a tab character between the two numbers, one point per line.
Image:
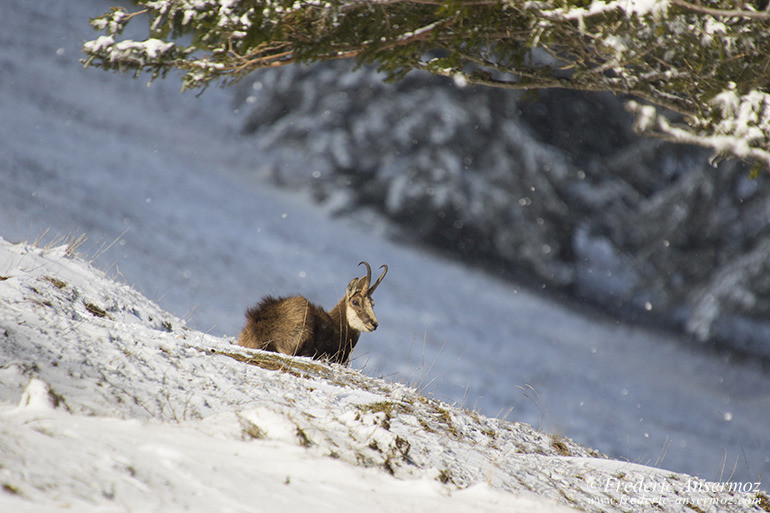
129	54
637	7
747	11
670	53
738	125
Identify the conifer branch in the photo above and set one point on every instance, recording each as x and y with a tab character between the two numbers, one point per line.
671	53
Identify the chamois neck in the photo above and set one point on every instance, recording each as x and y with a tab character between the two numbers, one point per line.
339	315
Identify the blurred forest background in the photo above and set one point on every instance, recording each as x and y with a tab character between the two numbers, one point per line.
552	190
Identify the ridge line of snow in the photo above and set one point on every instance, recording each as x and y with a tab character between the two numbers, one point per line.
161	416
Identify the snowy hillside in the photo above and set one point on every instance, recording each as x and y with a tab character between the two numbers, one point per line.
108	403
164	189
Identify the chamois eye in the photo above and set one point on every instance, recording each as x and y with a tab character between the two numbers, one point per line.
355	302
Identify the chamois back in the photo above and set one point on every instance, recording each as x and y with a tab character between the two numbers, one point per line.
283	324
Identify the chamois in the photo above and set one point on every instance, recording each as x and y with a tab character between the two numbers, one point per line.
295	326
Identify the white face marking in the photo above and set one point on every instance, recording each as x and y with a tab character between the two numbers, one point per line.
355	322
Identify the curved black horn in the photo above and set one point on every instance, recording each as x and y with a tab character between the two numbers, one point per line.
368	272
371	289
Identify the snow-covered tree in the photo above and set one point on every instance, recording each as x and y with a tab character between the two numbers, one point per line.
706	63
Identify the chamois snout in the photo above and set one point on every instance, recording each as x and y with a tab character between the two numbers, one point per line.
369	325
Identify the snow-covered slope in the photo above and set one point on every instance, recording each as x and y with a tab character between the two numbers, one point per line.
160	174
108	403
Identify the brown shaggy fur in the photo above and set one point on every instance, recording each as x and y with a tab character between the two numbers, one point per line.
295	326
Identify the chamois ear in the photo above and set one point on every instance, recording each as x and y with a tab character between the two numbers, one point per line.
352	287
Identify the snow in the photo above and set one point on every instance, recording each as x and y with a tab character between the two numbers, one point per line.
108	403
37	396
259	477
744	119
103	464
642	7
100	43
630	7
160	178
152	47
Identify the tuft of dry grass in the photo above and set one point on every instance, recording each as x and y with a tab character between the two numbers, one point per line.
558	444
764	501
72	241
249	430
96	310
11	489
445	476
55	282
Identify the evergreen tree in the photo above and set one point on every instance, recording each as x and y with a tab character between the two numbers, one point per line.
707	63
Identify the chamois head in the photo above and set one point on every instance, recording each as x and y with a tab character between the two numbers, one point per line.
359	303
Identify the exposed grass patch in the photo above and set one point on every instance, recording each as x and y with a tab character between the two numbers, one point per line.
9	488
303	439
273	361
301	368
403	445
249	430
425	425
445	476
445	418
385	407
558	444
570	500
96	310
491	433
55	282
764	501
